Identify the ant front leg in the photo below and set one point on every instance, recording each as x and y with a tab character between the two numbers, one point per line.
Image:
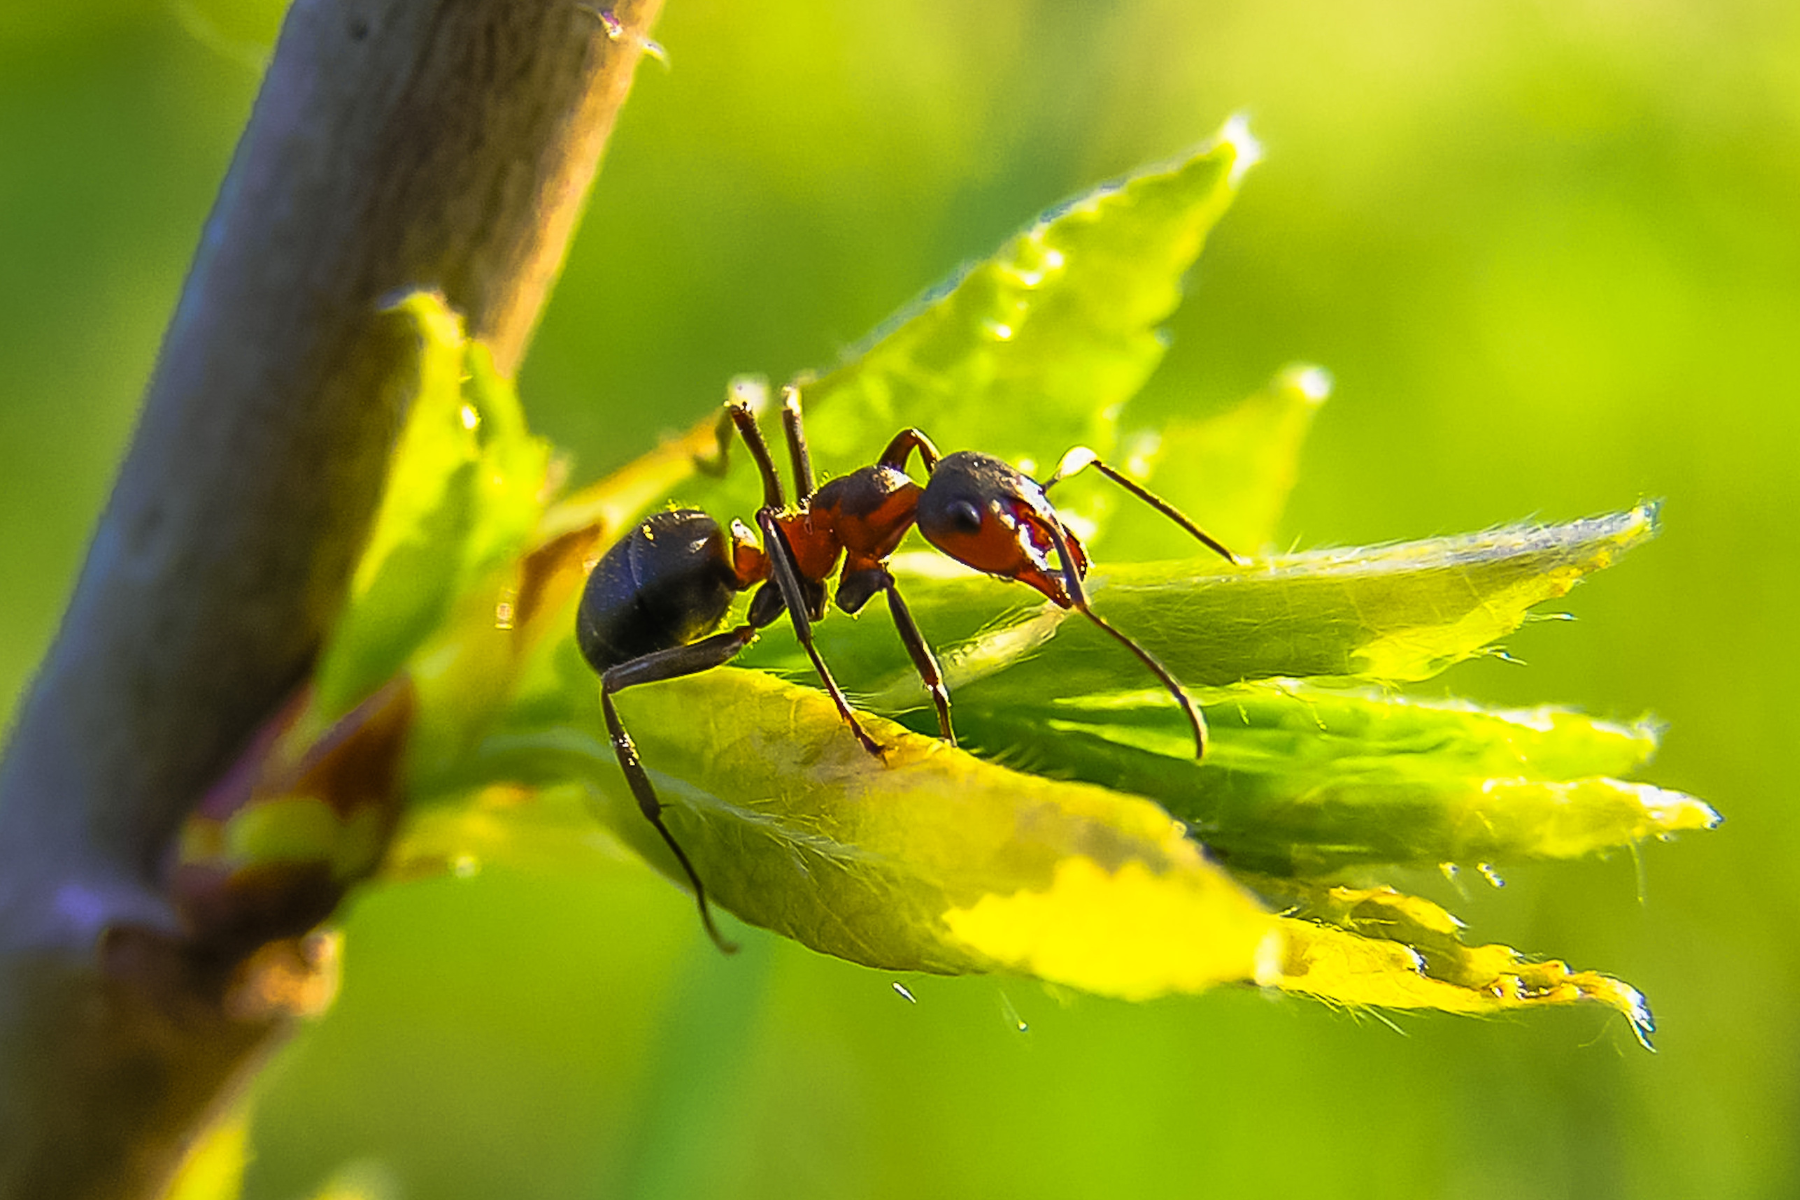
747	392
854	589
794	597
796	440
1081	458
739	415
904	443
703	655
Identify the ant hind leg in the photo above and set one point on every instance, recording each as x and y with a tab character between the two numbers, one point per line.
673	663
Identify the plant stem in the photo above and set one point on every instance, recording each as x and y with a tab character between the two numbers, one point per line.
394	144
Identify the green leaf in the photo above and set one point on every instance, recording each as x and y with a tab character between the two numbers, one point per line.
1304	781
1374	947
1386	614
1035	349
1231	472
512	468
931	860
464	493
406	580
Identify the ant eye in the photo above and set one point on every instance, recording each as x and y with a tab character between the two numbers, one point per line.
964	517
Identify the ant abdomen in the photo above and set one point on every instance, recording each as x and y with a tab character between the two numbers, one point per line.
667	583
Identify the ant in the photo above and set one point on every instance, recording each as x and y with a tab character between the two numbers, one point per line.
655	599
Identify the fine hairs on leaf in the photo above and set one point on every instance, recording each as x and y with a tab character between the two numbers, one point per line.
1071	835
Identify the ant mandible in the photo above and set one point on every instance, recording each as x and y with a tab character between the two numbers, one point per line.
655	599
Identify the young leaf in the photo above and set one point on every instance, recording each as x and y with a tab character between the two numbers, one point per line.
1373	947
1304	781
1386	614
1230	472
929	860
463	495
1035	349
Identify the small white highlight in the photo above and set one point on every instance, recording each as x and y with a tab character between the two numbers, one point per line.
1000	331
470	418
1270	960
1079	458
1313	382
465	866
751	391
1248	151
1012	1014
1140	453
904	994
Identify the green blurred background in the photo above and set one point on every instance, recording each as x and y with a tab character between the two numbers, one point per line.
1550	252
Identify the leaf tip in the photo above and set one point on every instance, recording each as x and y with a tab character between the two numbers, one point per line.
1246	151
429	311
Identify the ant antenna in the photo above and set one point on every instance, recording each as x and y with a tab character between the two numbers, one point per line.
1081	458
1078	599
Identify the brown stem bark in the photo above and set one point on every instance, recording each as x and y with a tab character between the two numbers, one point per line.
394	144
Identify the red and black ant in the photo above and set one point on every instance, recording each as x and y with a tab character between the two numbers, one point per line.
655	599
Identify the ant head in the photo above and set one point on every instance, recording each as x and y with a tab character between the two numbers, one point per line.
987	515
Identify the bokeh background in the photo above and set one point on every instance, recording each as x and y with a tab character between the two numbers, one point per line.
1549	251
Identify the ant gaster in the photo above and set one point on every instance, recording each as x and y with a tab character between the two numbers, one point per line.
655	599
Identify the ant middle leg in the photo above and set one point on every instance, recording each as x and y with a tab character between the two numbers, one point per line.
855	587
673	663
795	598
1081	458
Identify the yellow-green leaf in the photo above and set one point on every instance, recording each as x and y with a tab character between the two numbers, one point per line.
1376	947
929	860
1303	780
